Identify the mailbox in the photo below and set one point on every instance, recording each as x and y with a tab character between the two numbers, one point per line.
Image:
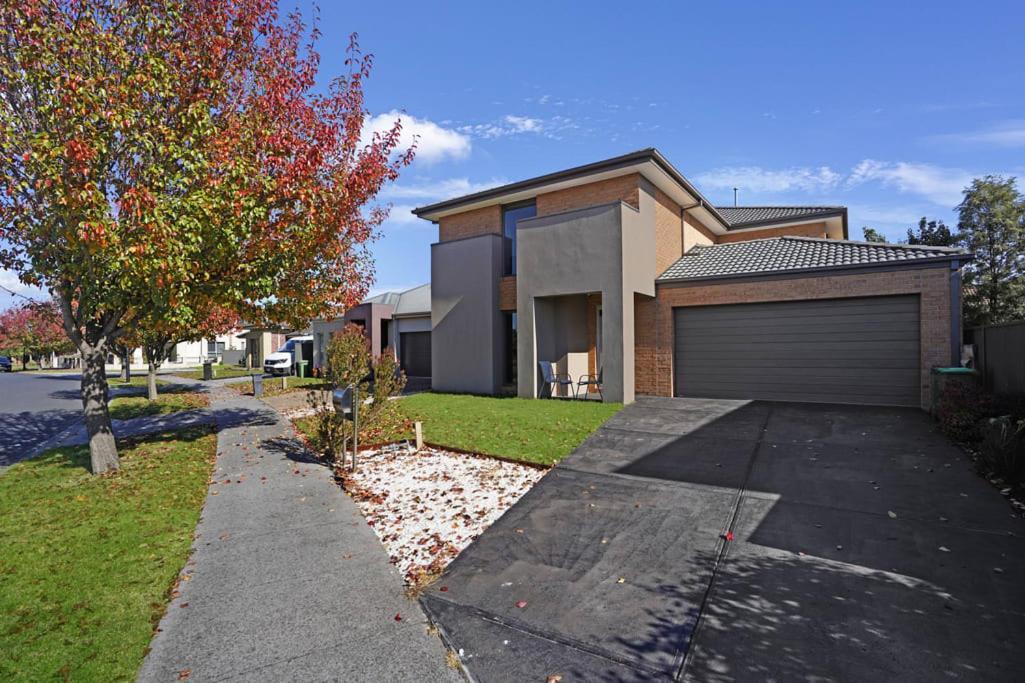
345	403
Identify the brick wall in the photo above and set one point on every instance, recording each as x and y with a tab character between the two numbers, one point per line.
806	230
695	232
470	223
625	188
668	231
653	318
507	293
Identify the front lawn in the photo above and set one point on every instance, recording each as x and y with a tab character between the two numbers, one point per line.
272	385
127	407
221	371
137	380
88	563
530	430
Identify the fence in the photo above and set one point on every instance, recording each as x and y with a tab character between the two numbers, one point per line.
1000	356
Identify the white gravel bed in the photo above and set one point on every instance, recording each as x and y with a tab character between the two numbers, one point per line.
427	506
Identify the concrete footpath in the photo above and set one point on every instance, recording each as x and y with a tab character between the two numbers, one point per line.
286	581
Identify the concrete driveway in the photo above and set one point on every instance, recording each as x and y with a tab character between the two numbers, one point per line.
863	547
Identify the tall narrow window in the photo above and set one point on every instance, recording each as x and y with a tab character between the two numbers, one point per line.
509	369
510	215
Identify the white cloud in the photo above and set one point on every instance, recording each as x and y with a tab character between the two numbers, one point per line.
402	214
757	179
439	189
938	184
1005	134
511	124
870	215
433	142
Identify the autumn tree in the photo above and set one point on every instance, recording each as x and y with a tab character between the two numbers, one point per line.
159	153
158	338
33	329
991	225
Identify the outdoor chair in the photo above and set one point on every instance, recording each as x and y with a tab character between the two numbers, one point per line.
587	381
550	378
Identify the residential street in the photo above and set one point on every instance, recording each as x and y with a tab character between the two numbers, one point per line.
33	409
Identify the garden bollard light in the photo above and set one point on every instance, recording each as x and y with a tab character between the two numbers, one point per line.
257	385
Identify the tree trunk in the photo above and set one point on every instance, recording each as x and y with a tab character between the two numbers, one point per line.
126	366
102	446
151	381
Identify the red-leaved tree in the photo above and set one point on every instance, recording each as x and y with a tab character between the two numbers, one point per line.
158	155
33	329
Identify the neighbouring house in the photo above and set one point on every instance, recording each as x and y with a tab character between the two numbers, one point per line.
260	342
400	321
622	267
228	347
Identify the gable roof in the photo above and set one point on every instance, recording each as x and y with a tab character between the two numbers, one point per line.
790	254
648	162
750	216
410	302
415	301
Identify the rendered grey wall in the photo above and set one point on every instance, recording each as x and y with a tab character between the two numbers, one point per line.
466	325
570	253
608	248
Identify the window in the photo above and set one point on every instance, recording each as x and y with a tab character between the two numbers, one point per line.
509	372
510	215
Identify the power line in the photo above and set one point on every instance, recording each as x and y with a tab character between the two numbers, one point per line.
19	294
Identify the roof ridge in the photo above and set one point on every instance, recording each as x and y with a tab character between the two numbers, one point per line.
887	245
783	206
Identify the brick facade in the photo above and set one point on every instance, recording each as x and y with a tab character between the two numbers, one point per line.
668	231
507	293
653	318
470	224
805	230
625	188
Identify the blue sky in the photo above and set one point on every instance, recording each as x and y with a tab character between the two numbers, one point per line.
889	108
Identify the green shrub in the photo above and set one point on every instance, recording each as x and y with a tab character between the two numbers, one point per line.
349	362
1002	450
961	410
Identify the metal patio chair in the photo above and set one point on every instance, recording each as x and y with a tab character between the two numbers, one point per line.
587	381
550	378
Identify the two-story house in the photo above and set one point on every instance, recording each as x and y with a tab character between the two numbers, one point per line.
623	268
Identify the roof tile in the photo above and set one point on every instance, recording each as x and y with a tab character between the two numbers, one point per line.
781	254
740	216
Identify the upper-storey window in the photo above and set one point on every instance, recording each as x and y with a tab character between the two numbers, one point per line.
511	214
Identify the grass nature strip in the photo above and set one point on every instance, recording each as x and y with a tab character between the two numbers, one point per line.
88	562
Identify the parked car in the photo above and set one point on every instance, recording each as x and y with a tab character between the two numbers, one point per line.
5	364
282	361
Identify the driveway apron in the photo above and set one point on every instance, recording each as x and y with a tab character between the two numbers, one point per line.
693	539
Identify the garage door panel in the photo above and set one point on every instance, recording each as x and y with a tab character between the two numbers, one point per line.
856	324
799	309
801	362
849	349
862	350
866	333
866	377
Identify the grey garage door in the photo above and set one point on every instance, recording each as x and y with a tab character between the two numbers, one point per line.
862	350
416	353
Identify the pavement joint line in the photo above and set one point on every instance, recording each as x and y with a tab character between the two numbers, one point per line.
551	636
652	481
946	525
722	550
